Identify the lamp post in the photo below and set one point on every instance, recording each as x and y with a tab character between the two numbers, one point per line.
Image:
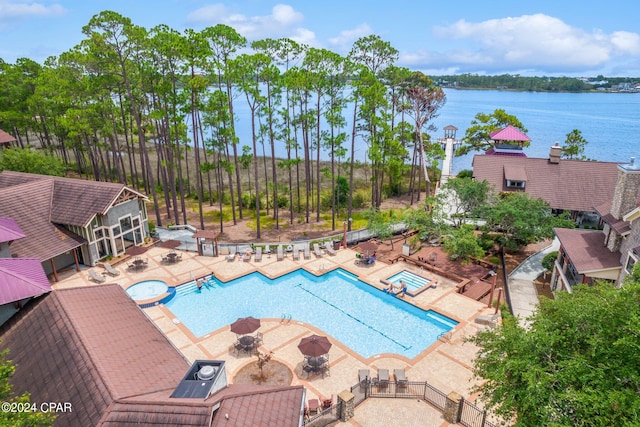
493	287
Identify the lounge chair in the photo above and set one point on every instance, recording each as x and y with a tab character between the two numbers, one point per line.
247	256
363	375
383	377
232	254
317	251
307	252
296	253
258	255
110	270
280	253
96	277
401	379
329	248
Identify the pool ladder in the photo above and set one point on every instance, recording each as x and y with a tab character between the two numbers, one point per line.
286	318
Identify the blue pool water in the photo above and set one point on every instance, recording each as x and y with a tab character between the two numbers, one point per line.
360	316
413	281
147	289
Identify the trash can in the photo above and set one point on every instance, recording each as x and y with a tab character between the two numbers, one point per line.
336	244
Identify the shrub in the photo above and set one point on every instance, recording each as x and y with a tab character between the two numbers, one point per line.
549	259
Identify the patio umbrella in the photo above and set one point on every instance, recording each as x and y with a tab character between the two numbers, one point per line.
369	246
170	244
314	346
245	325
136	250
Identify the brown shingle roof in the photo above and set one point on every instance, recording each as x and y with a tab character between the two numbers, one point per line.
30	205
95	348
73	201
571	184
586	250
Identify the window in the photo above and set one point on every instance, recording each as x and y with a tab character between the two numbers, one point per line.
515	184
630	263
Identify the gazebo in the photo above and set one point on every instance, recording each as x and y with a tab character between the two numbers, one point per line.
6	139
508	141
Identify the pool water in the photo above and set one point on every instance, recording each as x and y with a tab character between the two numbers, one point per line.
413	281
361	316
147	289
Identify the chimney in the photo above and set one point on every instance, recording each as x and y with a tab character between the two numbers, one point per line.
555	153
625	195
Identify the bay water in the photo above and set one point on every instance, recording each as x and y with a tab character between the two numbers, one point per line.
610	122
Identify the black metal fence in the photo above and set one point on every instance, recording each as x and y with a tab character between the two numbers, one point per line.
470	415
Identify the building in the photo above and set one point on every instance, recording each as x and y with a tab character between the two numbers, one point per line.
610	254
68	222
6	139
567	185
20	278
96	354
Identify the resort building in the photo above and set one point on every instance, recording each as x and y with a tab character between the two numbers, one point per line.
127	372
69	222
576	186
610	254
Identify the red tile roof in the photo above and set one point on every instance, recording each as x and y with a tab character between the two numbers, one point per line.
509	133
6	138
10	230
21	278
586	250
95	348
571	184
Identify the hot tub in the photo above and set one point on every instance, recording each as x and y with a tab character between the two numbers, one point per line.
147	289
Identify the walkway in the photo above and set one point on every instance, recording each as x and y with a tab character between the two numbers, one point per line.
522	289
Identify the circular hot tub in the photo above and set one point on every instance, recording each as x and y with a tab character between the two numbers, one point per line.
147	289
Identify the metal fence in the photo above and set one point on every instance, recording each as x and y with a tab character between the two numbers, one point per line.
470	415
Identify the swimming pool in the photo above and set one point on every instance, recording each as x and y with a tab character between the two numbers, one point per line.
147	289
415	284
362	317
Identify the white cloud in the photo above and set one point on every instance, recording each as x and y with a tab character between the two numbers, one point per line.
11	11
284	21
344	41
530	42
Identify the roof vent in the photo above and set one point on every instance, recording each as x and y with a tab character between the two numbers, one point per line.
204	378
206	373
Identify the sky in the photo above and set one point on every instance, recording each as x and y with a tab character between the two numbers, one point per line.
577	38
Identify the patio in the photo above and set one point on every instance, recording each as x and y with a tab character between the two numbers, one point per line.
453	357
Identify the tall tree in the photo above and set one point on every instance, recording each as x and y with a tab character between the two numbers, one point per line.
574	144
576	365
424	99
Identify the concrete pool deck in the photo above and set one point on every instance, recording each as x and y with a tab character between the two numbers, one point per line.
446	364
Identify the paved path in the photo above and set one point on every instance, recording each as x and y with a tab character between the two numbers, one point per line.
522	290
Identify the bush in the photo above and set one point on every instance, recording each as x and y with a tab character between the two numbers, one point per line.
548	260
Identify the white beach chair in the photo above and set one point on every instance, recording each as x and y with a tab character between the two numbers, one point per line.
110	270
307	252
317	251
258	255
296	253
280	253
96	277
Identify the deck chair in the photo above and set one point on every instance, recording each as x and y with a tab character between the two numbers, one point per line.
317	251
110	270
307	252
363	375
96	277
232	254
258	255
246	256
401	379
329	248
383	377
280	253
296	253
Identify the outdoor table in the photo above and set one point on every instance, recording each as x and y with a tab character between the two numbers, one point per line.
172	257
247	342
138	264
